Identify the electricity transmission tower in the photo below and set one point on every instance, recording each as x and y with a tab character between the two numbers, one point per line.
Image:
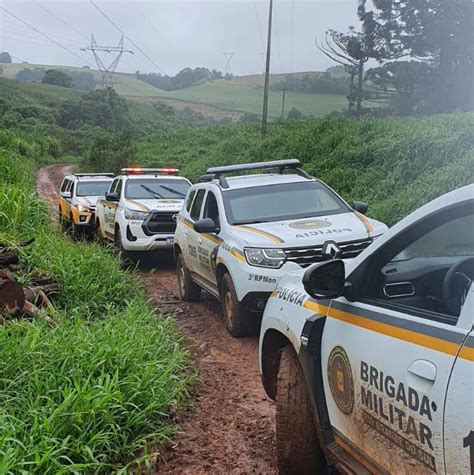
107	71
228	58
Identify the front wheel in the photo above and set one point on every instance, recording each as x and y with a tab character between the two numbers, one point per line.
236	318
298	449
74	229
188	290
125	256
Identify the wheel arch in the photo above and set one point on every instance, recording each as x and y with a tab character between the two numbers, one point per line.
272	344
221	270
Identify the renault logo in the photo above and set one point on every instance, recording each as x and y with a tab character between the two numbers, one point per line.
174	217
331	250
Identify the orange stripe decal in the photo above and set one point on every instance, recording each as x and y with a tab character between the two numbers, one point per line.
270	236
365	221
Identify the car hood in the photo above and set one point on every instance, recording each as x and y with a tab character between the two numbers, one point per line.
343	227
89	200
154	205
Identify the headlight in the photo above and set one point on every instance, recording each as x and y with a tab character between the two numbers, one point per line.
82	208
265	257
135	215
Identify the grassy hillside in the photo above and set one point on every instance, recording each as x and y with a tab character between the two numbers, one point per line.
241	94
394	164
86	395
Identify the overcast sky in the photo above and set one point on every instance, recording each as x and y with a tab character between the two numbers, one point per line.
175	33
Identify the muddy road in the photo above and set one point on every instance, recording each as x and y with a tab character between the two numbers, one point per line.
230	428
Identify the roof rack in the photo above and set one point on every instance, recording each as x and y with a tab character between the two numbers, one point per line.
280	166
150	171
109	175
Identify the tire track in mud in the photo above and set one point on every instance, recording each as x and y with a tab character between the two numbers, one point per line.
230	427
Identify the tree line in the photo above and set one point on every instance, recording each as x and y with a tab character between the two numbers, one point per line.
423	51
83	80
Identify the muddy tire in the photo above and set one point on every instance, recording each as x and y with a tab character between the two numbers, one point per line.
101	238
74	229
236	318
127	257
62	222
189	291
298	449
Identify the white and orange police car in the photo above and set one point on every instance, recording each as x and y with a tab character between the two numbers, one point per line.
370	360
140	210
78	197
238	235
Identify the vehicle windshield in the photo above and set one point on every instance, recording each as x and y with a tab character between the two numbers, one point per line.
156	188
93	188
280	202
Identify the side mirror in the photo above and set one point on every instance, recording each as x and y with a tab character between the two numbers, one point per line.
325	280
112	197
206	225
360	206
66	194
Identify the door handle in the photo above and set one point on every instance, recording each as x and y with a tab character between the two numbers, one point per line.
199	240
423	369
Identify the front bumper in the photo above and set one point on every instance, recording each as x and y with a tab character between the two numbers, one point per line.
135	239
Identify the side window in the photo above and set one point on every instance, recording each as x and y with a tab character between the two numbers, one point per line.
197	204
113	187
190	200
64	185
118	189
211	210
427	270
71	188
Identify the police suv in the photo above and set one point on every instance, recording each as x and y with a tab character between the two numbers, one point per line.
237	236
371	360
78	197
140	210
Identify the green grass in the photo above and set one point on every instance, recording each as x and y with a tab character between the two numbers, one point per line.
394	164
242	94
87	395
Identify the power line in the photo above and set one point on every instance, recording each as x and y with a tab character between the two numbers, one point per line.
46	36
61	20
292	34
278	39
35	38
258	23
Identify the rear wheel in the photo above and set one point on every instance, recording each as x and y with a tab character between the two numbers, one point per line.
236	318
189	291
298	449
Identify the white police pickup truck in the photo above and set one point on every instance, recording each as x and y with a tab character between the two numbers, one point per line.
237	236
371	360
140	210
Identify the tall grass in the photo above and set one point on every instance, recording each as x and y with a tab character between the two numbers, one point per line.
87	395
395	164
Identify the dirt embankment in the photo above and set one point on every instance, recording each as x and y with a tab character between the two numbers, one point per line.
230	428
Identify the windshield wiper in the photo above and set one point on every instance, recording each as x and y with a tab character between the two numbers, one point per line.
257	221
176	192
152	192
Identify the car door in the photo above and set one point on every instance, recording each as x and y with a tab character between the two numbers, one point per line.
192	237
64	205
387	356
208	244
459	407
110	209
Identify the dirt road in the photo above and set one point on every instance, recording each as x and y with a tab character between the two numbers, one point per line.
231	426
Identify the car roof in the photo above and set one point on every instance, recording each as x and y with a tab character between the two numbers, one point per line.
164	177
89	178
263	179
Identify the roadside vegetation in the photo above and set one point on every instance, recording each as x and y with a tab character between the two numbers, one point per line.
88	394
395	164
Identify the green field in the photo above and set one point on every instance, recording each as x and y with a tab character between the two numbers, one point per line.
242	94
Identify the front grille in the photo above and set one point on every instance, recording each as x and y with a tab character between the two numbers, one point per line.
305	256
160	222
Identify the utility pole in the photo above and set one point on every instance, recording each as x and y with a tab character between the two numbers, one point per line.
283	104
267	72
107	71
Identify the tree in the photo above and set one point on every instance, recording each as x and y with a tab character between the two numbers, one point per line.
5	57
1	71
351	50
30	75
56	77
439	32
83	80
295	114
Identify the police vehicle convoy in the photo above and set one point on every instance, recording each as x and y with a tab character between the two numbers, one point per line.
78	197
140	210
371	360
237	236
